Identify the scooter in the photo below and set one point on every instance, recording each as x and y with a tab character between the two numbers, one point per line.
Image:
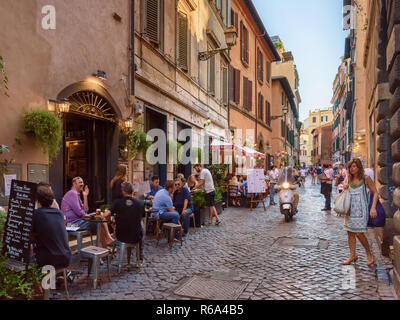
286	201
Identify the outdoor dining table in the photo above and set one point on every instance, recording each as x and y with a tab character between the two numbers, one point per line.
98	227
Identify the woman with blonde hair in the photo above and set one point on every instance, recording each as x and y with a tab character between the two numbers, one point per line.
116	182
356	223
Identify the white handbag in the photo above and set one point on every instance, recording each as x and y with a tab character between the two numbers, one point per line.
342	203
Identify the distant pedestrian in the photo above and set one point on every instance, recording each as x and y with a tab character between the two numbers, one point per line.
319	172
313	173
341	178
273	180
356	223
326	181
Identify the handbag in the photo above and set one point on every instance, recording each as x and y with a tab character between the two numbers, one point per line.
380	220
342	204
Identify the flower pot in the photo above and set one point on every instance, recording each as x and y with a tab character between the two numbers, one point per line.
218	206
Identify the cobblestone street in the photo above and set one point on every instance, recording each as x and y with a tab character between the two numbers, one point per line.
251	248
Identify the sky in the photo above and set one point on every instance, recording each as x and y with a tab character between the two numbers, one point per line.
312	30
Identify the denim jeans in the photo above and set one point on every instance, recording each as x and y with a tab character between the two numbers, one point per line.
272	192
186	221
171	216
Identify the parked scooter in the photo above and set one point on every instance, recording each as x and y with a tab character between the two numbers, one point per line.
286	194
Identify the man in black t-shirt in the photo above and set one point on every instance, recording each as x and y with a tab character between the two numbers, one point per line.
51	238
128	213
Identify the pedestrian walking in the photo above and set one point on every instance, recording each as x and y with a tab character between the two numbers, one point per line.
273	180
313	173
356	223
326	182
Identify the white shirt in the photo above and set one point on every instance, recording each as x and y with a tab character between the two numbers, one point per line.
274	175
370	172
329	174
303	172
205	175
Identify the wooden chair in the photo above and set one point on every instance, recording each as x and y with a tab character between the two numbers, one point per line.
233	195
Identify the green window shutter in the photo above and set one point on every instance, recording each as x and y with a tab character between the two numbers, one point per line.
152	20
183	41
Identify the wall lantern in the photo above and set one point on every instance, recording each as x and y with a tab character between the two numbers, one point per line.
128	123
58	106
230	39
207	122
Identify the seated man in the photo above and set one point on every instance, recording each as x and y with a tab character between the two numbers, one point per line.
154	188
49	230
183	204
287	176
75	211
163	207
128	217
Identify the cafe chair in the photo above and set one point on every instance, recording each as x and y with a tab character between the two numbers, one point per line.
46	292
170	228
95	254
79	234
128	248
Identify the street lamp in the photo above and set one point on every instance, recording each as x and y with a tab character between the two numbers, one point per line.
58	106
230	39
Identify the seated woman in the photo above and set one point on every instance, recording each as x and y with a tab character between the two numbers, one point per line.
183	204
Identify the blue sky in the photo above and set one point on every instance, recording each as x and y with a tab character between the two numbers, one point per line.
312	30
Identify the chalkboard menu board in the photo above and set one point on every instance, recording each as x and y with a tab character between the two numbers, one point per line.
18	228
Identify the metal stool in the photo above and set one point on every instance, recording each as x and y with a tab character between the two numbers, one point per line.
79	236
171	227
94	254
46	293
128	248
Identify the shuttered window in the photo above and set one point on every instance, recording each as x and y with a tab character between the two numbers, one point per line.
224	85
234	85
152	20
260	107
183	41
211	75
235	20
282	129
268	113
260	66
268	75
244	43
247	94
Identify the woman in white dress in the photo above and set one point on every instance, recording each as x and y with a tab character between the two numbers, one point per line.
356	223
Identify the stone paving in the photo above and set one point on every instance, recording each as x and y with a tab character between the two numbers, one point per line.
246	247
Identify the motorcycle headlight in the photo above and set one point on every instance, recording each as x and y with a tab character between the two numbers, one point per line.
286	185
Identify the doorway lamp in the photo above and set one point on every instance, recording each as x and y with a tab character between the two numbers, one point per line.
58	106
285	111
230	39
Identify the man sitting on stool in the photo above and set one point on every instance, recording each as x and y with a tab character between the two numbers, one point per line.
163	208
183	204
128	217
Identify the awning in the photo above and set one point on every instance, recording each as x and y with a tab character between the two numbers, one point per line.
246	151
250	152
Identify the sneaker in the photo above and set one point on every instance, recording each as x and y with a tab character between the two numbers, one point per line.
218	222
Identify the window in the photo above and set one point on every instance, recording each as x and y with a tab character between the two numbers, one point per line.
244	43
260	66
183	42
235	20
268	113
247	94
224	85
211	75
268	75
222	7
282	128
234	85
260	107
314	119
283	99
153	21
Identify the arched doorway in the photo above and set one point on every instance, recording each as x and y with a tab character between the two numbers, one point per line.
90	144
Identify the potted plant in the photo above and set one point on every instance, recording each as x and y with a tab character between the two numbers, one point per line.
218	199
137	141
199	204
19	285
47	130
3	218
